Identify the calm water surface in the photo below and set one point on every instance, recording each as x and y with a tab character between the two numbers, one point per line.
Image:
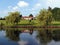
30	37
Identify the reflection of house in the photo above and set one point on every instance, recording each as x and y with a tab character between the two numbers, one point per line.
27	18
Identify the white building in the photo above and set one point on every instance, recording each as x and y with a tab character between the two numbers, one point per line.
27	18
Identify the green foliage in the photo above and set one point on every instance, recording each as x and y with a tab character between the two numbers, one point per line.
49	9
13	17
44	17
2	21
56	13
20	16
30	15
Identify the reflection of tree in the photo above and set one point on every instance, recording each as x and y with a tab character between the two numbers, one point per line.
45	36
0	28
12	34
56	35
31	31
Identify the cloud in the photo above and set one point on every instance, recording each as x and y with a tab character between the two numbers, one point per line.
53	3
18	5
22	4
9	7
15	8
36	6
34	9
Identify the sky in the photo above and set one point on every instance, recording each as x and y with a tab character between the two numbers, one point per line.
26	7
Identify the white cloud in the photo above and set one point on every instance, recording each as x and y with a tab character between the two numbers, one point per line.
9	7
15	8
22	4
53	3
34	9
36	6
18	5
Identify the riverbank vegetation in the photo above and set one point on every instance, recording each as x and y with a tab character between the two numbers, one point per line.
44	18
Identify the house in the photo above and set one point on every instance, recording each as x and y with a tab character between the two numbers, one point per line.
27	18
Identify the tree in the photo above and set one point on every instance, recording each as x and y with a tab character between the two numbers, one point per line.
30	15
49	9
20	16
13	17
56	14
44	17
31	18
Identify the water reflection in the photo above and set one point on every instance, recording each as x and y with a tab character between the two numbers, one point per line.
44	36
56	35
47	35
30	36
13	34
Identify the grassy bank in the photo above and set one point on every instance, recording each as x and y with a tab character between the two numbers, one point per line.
27	22
56	23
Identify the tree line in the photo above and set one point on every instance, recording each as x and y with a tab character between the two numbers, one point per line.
56	13
44	17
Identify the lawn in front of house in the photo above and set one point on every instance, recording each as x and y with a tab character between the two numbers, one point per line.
57	23
33	22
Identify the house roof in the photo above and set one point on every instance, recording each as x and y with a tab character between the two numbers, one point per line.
27	17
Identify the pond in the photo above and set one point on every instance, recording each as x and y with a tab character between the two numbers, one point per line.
30	37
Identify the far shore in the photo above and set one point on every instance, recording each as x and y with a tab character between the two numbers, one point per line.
29	26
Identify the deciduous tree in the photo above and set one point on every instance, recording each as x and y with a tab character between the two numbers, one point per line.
13	17
44	17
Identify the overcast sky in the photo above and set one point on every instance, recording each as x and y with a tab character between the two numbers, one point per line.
26	7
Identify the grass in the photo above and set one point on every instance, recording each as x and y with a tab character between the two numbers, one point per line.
33	22
2	21
26	22
23	22
55	23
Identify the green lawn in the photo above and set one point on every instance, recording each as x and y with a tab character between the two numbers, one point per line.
24	22
33	22
2	21
55	23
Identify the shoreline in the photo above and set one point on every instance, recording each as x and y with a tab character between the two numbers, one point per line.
29	26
